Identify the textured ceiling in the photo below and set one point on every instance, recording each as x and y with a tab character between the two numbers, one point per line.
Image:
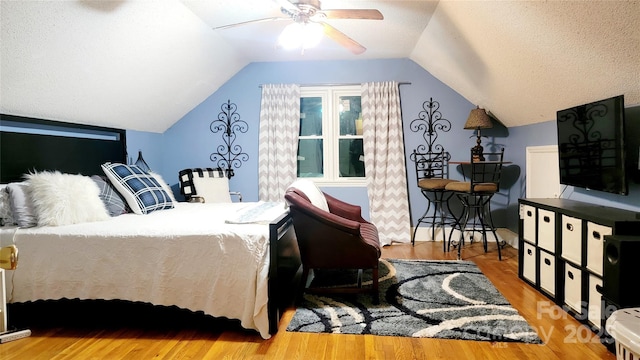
138	65
143	64
393	37
523	61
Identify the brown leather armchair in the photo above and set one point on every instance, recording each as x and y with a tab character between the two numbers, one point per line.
336	239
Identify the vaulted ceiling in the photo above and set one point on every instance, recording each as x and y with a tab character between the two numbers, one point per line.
143	64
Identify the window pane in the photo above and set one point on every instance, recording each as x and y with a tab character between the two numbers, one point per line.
351	158
310	116
350	120
310	158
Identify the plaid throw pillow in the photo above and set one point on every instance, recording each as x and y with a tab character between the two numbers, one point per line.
115	203
141	190
6	217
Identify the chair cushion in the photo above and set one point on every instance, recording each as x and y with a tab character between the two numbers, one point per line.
434	184
312	192
211	185
465	186
212	189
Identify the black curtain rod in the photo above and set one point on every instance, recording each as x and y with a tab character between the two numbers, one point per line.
346	84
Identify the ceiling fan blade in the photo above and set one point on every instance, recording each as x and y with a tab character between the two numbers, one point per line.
342	39
251	22
364	14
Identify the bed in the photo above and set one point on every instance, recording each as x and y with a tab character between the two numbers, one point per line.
195	256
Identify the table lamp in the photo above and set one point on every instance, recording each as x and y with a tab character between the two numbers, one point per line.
478	119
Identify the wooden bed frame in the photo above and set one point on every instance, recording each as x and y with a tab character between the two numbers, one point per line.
28	144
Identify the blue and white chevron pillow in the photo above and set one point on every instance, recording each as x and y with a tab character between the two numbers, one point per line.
141	190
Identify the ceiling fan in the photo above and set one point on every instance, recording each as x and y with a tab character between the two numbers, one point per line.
308	16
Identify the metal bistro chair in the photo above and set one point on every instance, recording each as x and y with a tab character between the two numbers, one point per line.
432	174
475	196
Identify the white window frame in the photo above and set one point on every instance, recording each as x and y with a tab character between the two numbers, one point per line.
330	96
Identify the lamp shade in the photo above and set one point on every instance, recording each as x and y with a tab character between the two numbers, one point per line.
478	119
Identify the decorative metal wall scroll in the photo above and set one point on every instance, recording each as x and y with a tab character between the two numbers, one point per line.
229	155
429	122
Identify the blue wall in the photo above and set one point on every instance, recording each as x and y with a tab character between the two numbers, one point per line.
546	134
189	143
150	144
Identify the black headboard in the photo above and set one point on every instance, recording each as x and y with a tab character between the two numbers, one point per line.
28	144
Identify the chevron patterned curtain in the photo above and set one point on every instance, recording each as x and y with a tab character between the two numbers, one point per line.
384	161
279	126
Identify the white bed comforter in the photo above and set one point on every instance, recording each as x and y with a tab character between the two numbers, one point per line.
188	256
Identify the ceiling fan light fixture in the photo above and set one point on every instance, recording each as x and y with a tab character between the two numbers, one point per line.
303	35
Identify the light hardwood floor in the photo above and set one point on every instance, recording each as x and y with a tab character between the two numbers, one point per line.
564	337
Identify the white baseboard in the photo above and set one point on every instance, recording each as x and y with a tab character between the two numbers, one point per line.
509	236
424	234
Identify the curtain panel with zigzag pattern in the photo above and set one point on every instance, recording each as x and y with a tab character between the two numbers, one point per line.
384	161
278	148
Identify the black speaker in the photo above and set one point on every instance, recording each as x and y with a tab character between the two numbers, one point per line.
619	280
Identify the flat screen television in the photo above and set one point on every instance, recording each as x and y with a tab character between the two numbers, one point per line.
591	146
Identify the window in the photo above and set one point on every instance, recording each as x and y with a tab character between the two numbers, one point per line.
330	144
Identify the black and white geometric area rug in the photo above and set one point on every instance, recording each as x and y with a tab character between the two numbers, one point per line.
418	298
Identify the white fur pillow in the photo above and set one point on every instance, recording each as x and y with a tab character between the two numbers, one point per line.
64	199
